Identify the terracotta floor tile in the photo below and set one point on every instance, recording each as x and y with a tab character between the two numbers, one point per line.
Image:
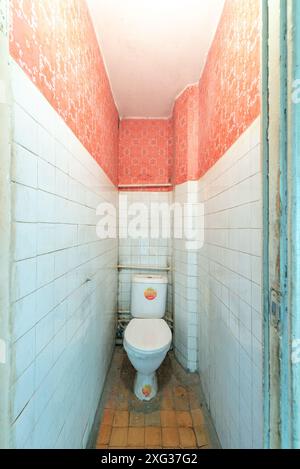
122	405
111	403
201	435
180	391
181	403
194	401
152	437
167	392
108	417
168	418
184	419
181	398
174	420
123	390
152	419
198	417
167	403
187	438
122	400
170	437
136	437
104	435
121	418
136	419
118	437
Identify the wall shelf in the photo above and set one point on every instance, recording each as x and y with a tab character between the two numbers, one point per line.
142	186
144	267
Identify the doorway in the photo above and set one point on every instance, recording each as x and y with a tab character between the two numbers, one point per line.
281	135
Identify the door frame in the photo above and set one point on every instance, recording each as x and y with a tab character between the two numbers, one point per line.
281	214
294	215
265	171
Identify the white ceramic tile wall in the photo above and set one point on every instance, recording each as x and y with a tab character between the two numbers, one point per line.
64	279
63	326
5	238
185	288
229	305
146	252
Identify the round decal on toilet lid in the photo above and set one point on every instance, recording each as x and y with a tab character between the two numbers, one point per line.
150	294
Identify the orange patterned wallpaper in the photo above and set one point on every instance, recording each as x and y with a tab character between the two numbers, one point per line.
229	89
55	44
186	134
208	118
145	151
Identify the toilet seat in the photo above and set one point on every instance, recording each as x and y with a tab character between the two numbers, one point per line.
148	335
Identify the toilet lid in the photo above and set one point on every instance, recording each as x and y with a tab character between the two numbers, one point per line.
148	334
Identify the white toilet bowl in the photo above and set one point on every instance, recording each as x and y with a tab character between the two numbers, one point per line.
147	342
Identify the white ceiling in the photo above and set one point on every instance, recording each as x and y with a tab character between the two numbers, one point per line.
153	49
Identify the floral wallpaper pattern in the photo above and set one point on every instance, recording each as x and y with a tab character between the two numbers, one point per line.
54	42
145	151
229	89
186	135
209	117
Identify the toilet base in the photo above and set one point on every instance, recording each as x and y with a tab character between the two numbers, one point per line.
145	386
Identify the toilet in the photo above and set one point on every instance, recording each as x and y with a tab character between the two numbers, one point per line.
147	337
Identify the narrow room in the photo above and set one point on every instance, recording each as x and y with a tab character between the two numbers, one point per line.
149	208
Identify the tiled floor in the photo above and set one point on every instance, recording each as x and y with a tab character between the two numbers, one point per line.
176	418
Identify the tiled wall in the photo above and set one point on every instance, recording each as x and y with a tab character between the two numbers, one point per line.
228	94
54	42
57	185
219	289
64	279
145	252
229	308
185	287
186	128
145	151
5	238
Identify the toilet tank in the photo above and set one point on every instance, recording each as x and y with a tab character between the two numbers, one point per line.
149	296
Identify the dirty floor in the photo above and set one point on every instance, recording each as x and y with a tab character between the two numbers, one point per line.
176	418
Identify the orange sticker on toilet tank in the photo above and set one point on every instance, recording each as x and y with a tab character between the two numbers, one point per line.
150	294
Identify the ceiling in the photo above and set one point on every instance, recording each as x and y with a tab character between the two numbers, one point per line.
153	49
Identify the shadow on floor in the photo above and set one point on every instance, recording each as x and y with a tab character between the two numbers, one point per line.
176	418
